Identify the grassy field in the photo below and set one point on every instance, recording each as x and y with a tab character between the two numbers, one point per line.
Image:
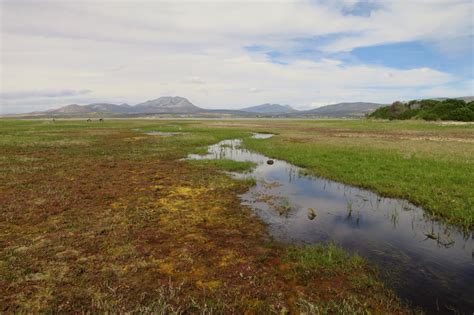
100	217
429	164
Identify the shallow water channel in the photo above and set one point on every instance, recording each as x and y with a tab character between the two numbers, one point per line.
429	264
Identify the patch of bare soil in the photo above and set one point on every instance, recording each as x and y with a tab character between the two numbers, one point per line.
455	123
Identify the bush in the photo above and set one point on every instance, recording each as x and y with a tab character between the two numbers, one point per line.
449	109
462	114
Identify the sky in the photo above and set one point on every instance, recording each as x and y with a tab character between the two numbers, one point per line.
233	54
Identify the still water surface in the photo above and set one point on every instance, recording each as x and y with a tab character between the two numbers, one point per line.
429	264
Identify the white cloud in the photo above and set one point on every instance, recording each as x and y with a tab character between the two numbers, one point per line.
129	51
466	88
194	80
42	93
403	21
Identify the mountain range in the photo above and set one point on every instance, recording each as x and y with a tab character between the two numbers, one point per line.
91	108
162	105
344	109
270	109
181	105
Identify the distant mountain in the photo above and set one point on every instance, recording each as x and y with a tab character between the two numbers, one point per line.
270	109
162	105
180	105
91	108
356	109
112	108
69	109
167	104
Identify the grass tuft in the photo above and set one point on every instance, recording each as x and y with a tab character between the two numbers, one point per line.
314	258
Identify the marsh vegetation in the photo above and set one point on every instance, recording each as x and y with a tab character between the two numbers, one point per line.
395	235
101	217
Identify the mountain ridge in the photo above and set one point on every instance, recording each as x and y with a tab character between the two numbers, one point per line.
268	108
164	104
181	105
167	104
91	108
344	109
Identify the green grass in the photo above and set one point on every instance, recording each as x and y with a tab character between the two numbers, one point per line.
311	259
444	188
428	164
42	135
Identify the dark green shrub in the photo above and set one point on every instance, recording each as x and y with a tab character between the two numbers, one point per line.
428	116
462	114
449	109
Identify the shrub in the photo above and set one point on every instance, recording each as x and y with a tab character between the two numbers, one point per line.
449	109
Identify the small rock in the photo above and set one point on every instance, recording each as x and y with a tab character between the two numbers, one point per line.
270	162
311	213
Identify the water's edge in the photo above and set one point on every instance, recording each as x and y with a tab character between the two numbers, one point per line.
426	262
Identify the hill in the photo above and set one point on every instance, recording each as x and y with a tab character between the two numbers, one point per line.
91	108
162	105
167	104
270	109
356	109
179	105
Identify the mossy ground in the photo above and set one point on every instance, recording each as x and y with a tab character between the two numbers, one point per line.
224	164
98	217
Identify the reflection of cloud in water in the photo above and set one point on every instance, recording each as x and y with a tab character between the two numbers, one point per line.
409	248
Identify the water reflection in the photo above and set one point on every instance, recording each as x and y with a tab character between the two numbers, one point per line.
426	262
262	135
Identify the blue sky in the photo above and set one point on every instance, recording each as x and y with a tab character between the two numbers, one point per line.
403	55
417	54
233	54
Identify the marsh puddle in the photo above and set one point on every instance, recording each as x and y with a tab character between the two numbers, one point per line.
262	135
428	263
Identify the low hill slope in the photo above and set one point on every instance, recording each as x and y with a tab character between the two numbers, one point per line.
355	109
270	109
91	108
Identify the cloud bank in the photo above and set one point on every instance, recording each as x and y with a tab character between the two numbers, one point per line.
227	54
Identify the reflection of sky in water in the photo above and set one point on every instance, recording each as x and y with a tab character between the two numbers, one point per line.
423	260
